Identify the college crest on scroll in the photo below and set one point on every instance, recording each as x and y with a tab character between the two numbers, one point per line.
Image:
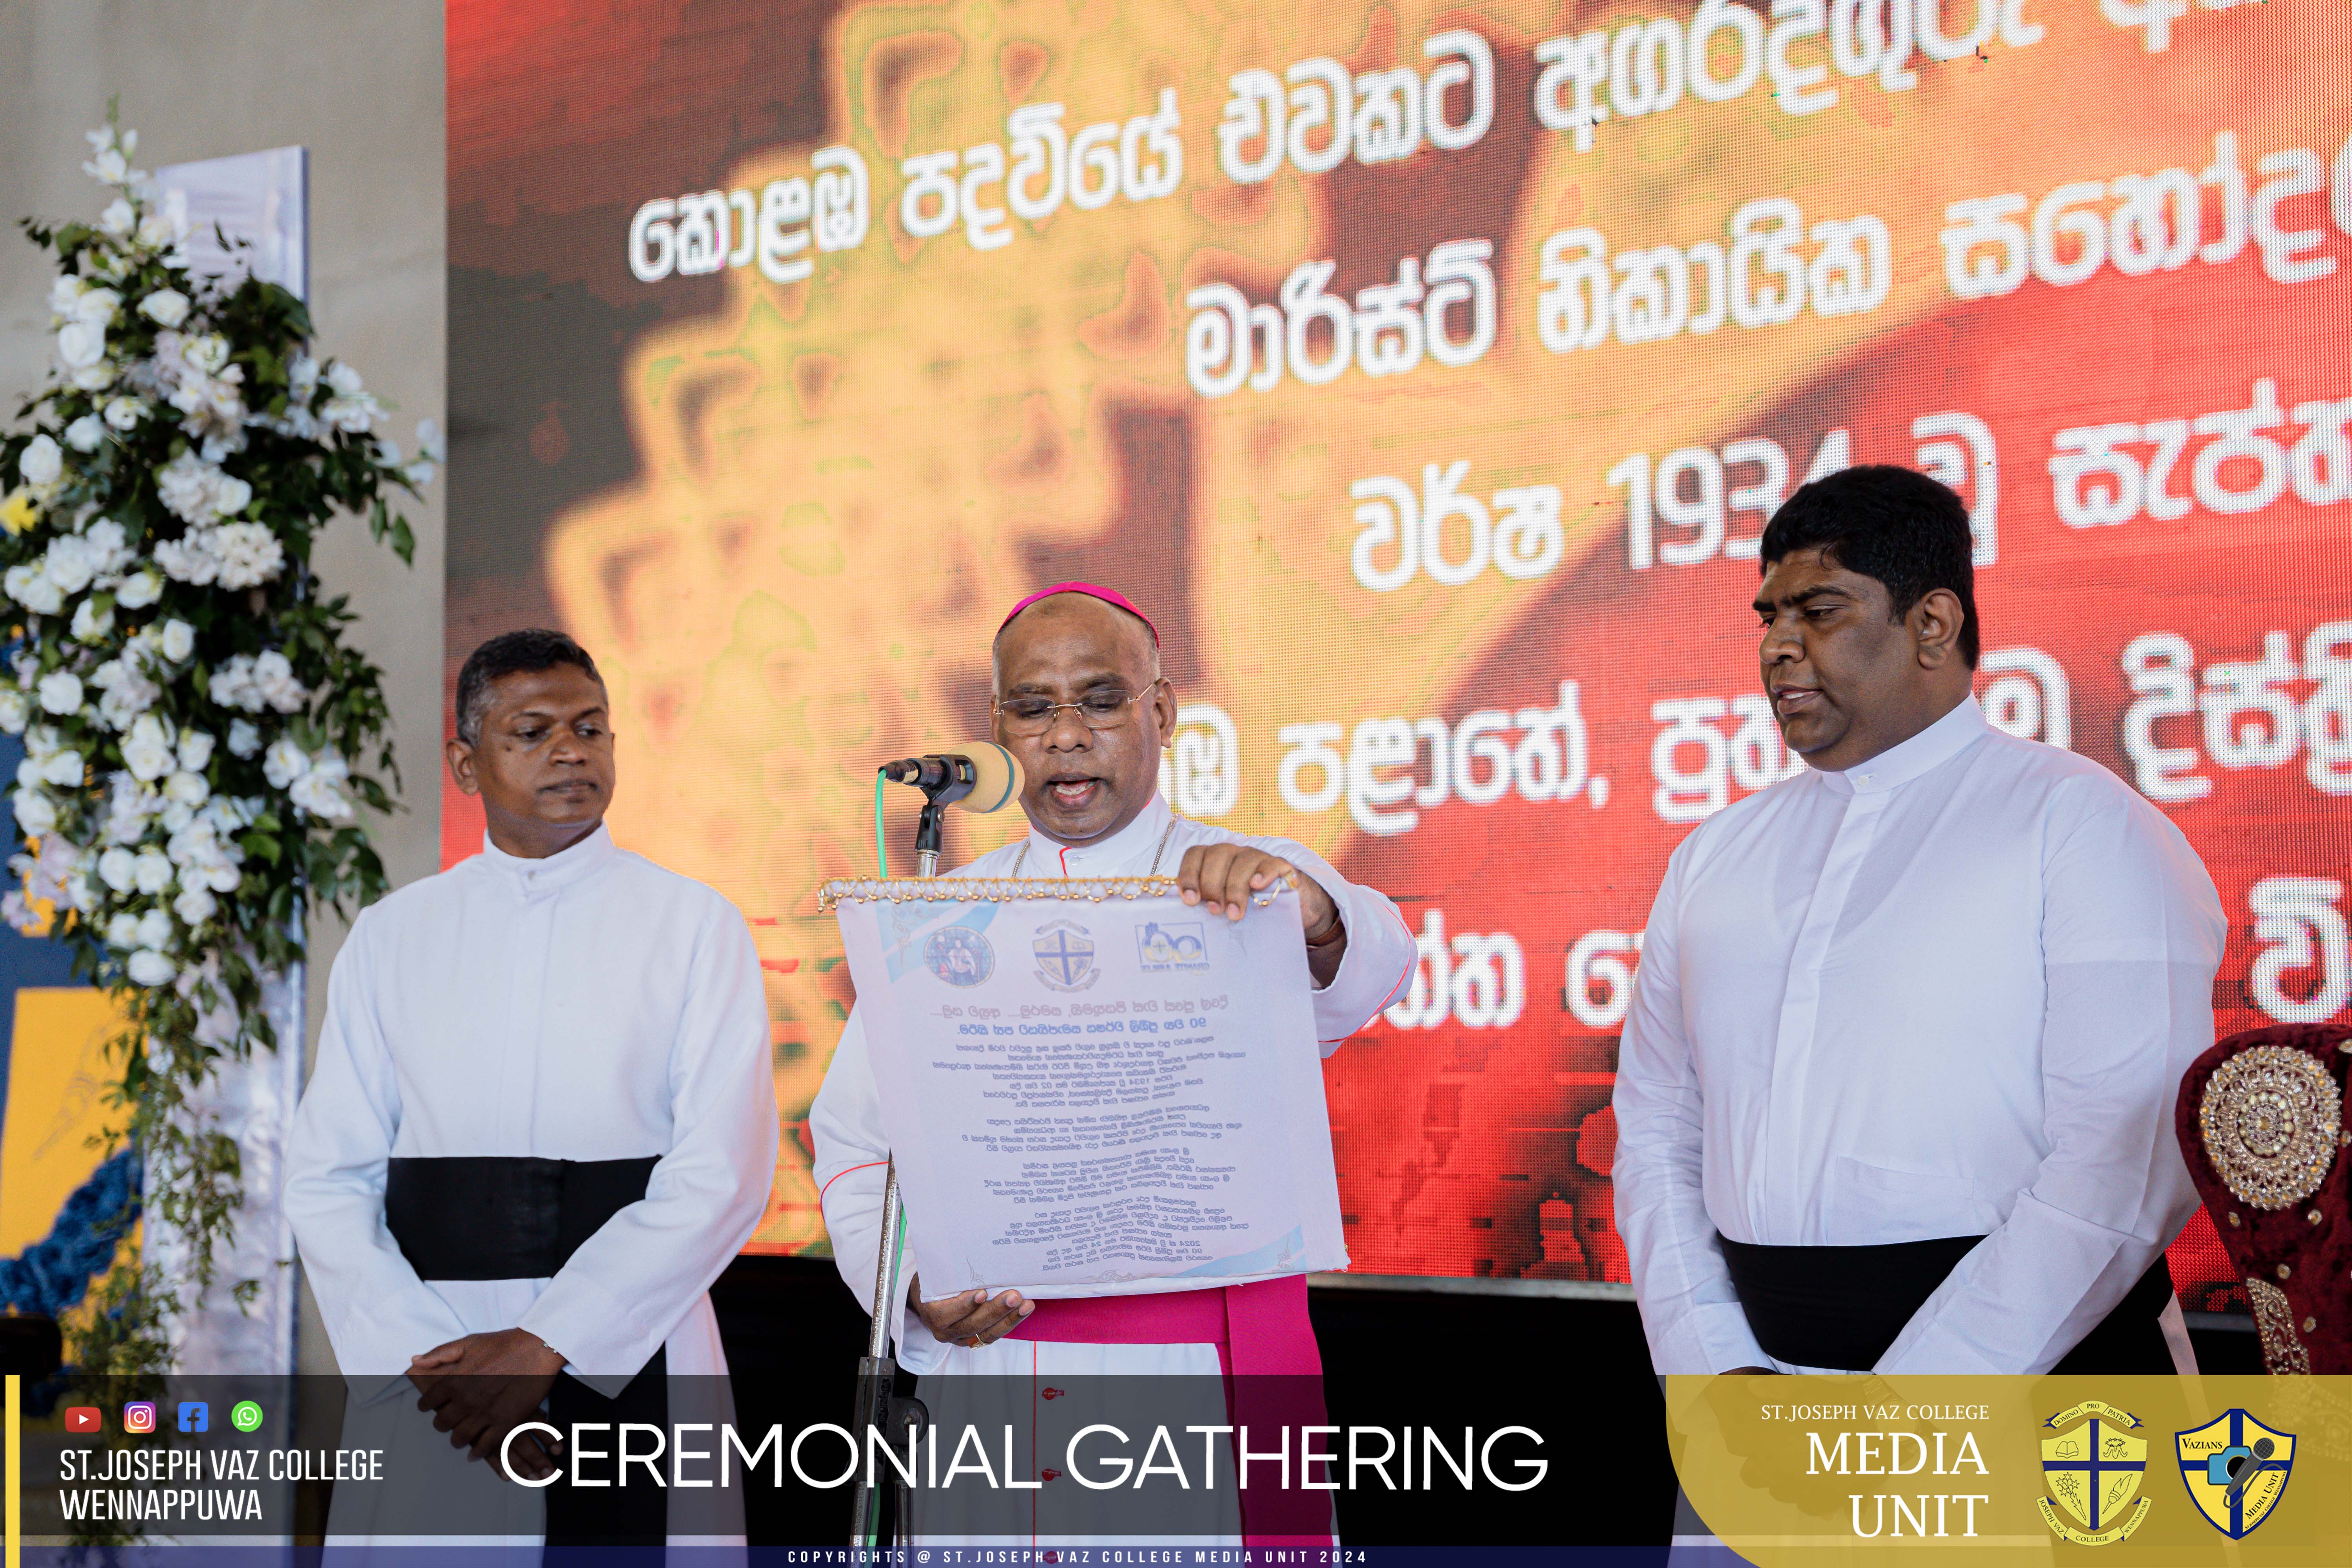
1066	955
2235	1468
2093	1462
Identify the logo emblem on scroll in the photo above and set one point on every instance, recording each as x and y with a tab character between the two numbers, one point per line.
2092	1466
1161	948
2235	1468
959	955
1065	956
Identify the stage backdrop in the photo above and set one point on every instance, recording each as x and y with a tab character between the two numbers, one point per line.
1428	373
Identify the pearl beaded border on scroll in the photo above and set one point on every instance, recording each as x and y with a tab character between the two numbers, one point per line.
1011	890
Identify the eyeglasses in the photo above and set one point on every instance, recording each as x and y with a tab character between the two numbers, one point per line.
1096	710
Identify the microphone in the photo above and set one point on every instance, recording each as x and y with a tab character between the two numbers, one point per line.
981	777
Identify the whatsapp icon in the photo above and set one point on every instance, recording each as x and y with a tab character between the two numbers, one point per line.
245	1415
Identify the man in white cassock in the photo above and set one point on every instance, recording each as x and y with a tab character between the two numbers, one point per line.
542	1122
1895	1090
1081	703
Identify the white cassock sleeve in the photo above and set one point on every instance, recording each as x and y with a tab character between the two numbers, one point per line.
378	1312
852	1158
614	1304
1375	968
2131	934
1690	1313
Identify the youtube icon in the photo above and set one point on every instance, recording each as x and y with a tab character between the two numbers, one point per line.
84	1419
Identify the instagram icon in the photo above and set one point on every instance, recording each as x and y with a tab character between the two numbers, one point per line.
138	1415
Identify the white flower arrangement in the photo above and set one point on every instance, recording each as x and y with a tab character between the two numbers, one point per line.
191	712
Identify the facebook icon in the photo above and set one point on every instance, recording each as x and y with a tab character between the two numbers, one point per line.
195	1415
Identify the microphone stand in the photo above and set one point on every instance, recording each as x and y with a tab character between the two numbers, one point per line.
879	1407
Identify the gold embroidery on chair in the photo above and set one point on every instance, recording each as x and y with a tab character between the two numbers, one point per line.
2269	1119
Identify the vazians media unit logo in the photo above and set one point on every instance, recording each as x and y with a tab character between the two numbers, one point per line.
2092	1468
2235	1468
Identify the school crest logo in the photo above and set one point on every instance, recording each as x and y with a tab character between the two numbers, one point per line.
2093	1463
959	955
1066	955
1163	947
2235	1468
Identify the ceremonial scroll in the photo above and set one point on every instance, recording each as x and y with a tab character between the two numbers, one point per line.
1089	1083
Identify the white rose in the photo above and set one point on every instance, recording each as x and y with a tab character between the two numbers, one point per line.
97	306
208	353
67	564
244	740
344	380
187	788
316	791
249	553
150	968
16	710
140	589
165	307
124	414
428	441
28	773
114	869
231	496
81	344
285	762
36	813
39	595
119	216
89	621
273	678
85	433
110	545
150	870
155	928
178	641
196	750
123	930
189	559
147	751
61	691
195	905
42	462
93	377
224	879
419	473
64	770
63	293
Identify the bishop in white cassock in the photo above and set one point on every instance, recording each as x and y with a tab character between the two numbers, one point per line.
524	1028
1082	704
1895	1090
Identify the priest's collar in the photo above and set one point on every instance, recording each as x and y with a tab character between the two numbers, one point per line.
534	878
1931	748
1127	852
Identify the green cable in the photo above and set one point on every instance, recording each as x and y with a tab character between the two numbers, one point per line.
881	853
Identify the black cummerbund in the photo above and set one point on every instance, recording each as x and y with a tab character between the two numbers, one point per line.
1843	1306
504	1217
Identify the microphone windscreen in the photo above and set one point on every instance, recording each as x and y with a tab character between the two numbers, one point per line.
998	781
